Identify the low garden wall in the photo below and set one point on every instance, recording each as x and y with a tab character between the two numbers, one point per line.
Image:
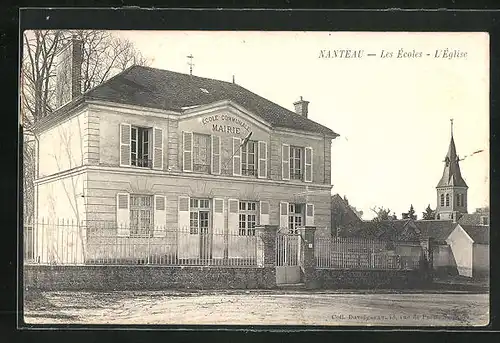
366	279
146	277
109	278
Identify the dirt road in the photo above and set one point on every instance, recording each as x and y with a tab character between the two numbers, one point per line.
257	308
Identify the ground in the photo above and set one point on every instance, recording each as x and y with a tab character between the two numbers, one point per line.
258	307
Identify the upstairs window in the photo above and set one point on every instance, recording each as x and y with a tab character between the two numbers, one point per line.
201	153
296	162
247	218
140	147
249	159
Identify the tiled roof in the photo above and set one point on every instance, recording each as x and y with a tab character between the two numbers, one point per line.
342	212
471	218
479	233
436	229
163	89
404	230
391	230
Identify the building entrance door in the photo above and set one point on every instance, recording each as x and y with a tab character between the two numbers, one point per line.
205	236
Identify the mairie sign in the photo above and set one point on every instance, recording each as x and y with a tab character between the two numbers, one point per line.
226	124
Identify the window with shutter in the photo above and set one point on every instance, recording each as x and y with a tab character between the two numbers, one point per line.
158	148
308	164
310	214
218	236
183	214
123	214
160	216
187	154
264	213
125	142
283	215
236	156
232	216
216	150
262	159
285	164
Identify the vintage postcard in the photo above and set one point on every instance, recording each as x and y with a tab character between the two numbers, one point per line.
256	178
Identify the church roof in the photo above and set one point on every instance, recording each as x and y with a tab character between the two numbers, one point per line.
451	173
164	89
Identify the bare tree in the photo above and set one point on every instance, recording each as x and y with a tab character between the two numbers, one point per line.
104	55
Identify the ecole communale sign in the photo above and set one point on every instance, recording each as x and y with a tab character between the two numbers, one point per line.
235	127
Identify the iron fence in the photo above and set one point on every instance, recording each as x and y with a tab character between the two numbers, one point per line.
72	243
357	253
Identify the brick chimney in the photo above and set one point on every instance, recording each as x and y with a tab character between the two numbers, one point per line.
69	71
76	72
301	107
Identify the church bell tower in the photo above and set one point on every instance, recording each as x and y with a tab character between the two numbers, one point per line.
451	189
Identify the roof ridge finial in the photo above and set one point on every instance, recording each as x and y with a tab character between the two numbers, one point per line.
451	121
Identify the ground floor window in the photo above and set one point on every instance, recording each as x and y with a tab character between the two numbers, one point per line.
141	214
295	217
248	218
199	216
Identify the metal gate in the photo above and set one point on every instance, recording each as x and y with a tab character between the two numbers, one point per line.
288	258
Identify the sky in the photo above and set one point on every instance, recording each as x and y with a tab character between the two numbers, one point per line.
392	114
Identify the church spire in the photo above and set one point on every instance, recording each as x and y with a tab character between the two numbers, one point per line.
451	173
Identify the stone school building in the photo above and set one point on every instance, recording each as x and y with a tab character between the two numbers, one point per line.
152	151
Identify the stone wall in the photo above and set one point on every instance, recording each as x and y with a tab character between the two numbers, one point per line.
110	278
367	279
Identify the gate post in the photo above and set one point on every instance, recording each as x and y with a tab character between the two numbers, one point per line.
309	266
266	252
